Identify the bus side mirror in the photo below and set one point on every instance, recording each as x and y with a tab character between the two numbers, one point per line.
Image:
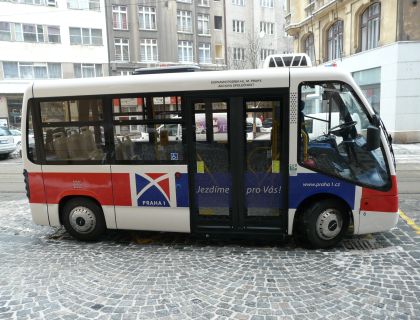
373	138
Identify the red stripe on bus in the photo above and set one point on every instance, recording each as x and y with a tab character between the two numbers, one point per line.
122	193
36	188
95	185
374	200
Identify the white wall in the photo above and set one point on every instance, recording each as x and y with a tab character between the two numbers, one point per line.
63	17
400	85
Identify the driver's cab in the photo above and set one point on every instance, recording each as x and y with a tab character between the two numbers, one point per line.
334	134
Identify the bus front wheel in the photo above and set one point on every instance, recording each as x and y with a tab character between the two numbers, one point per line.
324	223
83	219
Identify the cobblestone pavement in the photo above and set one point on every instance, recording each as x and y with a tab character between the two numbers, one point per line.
45	274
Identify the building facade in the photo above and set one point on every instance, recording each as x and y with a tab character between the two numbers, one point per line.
214	34
377	41
254	30
48	39
153	33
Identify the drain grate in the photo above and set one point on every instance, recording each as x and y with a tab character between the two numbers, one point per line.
361	244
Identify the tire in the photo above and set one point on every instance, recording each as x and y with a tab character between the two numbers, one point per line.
324	223
83	219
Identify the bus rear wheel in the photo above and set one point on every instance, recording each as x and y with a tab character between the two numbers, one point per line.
324	223
83	219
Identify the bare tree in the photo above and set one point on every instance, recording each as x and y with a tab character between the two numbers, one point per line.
251	53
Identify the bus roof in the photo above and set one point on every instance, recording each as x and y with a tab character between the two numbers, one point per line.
179	82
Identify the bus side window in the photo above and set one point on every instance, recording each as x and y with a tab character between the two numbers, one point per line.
73	130
139	133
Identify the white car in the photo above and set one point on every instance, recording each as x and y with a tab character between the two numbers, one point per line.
267	125
17	139
258	122
7	145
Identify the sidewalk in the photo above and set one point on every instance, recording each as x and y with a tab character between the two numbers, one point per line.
407	153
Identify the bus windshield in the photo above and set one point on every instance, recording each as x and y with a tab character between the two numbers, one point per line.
334	135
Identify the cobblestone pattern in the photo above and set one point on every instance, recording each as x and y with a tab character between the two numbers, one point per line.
47	275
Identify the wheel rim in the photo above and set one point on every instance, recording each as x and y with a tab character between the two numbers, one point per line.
82	219
329	224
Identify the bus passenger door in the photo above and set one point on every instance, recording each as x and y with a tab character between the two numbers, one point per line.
238	164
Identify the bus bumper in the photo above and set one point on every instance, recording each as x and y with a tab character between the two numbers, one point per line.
370	221
39	214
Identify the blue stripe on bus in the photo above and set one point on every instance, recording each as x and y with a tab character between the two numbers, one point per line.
181	185
305	185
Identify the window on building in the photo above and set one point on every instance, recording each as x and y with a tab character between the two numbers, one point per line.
148	50
87	70
35	2
267	3
238	2
93	5
239	54
238	26
370	26
203	21
184	21
335	40
309	47
147	18
369	82
119	17
185	51
53	34
85	36
287	6
204	3
121	50
29	32
267	27
218	51
265	53
218	22
5	31
204	55
31	70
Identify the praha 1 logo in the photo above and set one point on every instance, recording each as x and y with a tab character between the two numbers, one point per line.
153	190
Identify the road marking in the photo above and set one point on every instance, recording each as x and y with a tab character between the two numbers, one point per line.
410	222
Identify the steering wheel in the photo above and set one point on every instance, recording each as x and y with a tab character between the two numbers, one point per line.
343	129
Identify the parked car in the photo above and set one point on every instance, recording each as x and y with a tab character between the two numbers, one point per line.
267	125
17	139
258	122
7	145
